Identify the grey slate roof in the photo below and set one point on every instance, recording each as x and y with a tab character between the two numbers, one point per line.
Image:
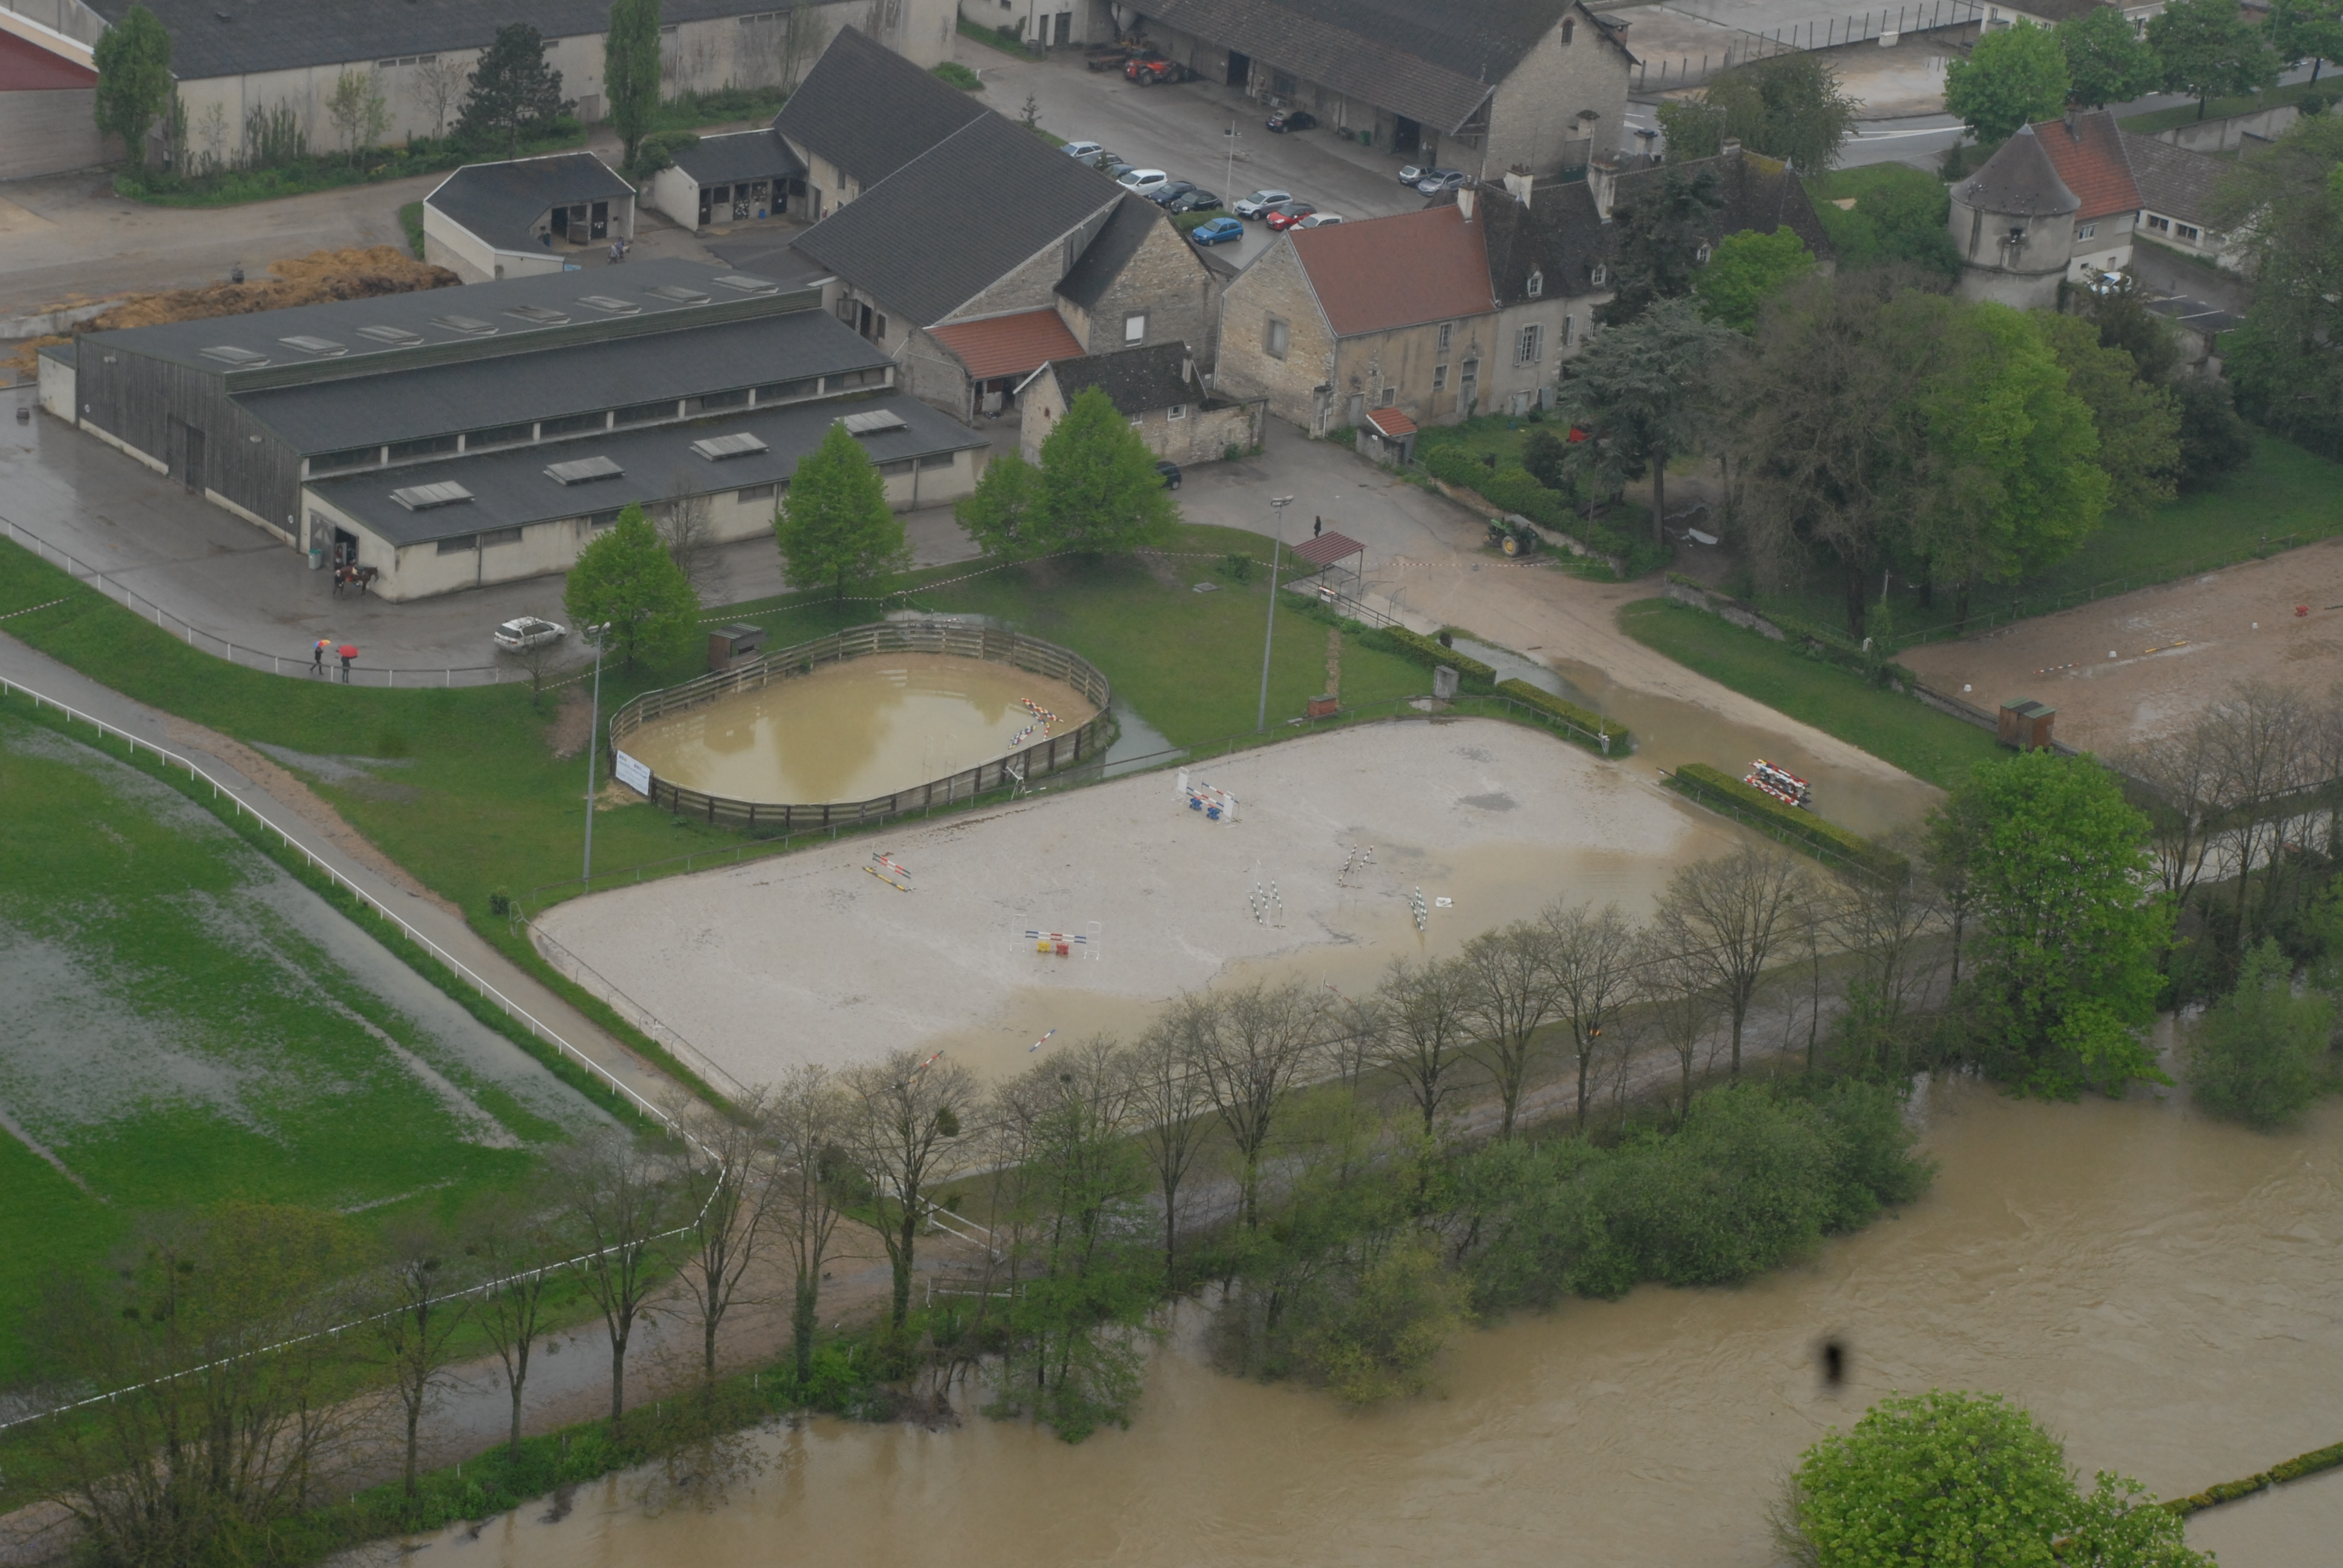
870	111
2173	180
1760	193
1137	380
342	321
583	377
509	488
741	155
1559	237
951	222
501	201
1134	217
286	34
2019	181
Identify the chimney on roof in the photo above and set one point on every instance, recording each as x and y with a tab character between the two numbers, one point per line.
1519	182
1732	148
1188	372
2071	134
1464	195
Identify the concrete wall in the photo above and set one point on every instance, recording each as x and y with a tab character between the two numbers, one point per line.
1534	120
50	132
2025	276
449	244
676	193
2231	132
57	396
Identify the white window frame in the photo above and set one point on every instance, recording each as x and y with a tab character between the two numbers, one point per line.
1529	343
1440	378
1276	337
1134	328
1536	286
1177	411
2086	231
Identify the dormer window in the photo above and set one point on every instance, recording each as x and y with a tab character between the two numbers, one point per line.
1602	275
1569	30
1535	287
1702	256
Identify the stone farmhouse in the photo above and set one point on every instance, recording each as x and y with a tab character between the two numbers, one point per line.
1160	390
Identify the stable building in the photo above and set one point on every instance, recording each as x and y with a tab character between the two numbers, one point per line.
524	216
454	438
746	177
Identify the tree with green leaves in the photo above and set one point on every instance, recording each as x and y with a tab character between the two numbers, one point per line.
2107	61
2012	77
1639	392
1745	270
2299	30
1660	228
2258	1056
630	72
2138	421
834	526
1956	1480
1788	106
2067	922
2285	207
1898	215
1003	514
2207	50
359	113
2213	439
134	84
624	579
515	93
1100	488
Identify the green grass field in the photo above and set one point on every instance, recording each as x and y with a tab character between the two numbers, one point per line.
185	1024
1895	728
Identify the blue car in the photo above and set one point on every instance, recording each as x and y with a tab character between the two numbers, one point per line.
1218	229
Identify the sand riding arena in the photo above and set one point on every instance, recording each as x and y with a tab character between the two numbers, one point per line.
953	941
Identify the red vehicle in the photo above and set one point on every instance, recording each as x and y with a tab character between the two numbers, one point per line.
1152	67
1285	215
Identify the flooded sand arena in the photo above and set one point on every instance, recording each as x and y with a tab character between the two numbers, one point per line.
855	730
805	957
2158	1288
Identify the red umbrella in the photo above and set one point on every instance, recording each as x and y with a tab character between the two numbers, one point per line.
347	651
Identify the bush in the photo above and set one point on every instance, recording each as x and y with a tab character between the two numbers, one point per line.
1802	825
954	74
1547	702
658	151
1190	221
1379	1335
2258	1056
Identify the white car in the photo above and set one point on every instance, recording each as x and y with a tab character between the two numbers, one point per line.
1319	220
1258	204
1410	173
1144	180
1084	149
525	632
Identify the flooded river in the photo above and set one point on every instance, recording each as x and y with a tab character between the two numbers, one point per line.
2161	1290
858	729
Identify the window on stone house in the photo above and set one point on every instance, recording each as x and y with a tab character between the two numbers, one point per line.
2086	231
1702	255
1445	328
1536	284
1569	31
1134	328
1177	411
1530	345
1600	275
1440	378
1566	330
2161	225
1389	396
1277	337
2184	231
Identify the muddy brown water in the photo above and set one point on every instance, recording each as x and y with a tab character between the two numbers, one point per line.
855	730
2159	1289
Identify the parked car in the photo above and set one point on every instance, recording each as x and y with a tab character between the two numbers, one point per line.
1151	67
1146	181
1293	120
1258	204
1319	220
1171	472
1285	215
525	632
1217	231
1193	201
1434	181
1170	191
1113	167
1410	173
1084	149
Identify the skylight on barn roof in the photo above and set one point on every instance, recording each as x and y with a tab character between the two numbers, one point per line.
747	283
676	293
470	325
242	358
398	337
323	348
872	421
537	314
423	497
616	307
583	471
715	448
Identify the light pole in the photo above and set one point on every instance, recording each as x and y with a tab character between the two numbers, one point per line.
1277	509
596	634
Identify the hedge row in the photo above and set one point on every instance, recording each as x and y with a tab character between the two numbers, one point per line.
1428	651
1516	489
1804	825
1547	702
2294	1469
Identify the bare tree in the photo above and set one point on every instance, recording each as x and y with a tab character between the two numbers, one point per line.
1426	1038
1168	1105
1682	995
1593	955
687	526
2176	781
416	1322
721	1177
1727	914
611	1189
513	1239
804	1116
437	85
2258	732
1885	920
902	1132
1251	1046
1511	989
357	111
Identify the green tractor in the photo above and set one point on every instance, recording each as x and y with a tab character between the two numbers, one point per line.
1514	535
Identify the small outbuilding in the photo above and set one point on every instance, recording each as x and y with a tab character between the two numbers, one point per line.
2025	724
747	176
1387	437
524	216
1158	389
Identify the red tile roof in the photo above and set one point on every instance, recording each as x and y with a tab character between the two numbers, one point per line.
1383	273
2090	161
1391	421
1009	345
1325	549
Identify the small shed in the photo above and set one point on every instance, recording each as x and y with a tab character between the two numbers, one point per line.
729	644
1387	437
1328	551
2025	724
746	177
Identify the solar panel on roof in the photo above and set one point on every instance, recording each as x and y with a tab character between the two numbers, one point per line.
470	325
583	471
539	315
397	336
325	348
242	358
605	302
715	448
746	283
676	293
872	422
423	497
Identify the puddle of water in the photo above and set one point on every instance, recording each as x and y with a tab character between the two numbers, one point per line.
855	730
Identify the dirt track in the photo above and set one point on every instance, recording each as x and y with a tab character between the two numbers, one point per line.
2176	649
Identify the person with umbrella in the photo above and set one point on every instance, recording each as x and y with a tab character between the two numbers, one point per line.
317	656
348	653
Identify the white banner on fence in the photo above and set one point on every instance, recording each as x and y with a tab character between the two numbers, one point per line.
634	775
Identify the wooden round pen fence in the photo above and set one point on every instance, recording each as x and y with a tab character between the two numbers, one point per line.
958	640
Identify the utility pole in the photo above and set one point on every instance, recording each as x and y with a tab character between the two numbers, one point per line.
593	746
1269	636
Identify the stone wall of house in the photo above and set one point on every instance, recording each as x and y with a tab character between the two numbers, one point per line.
1275	288
1536	115
1166	282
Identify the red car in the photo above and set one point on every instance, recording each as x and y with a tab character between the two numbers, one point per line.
1285	215
1151	67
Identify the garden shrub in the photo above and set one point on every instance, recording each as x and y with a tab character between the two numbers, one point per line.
1562	708
1802	824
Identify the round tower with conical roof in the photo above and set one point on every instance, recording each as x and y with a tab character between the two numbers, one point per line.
2013	221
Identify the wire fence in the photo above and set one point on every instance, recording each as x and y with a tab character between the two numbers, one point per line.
1741	45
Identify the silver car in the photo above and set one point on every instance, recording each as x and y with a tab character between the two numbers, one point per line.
1435	181
525	632
1258	204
